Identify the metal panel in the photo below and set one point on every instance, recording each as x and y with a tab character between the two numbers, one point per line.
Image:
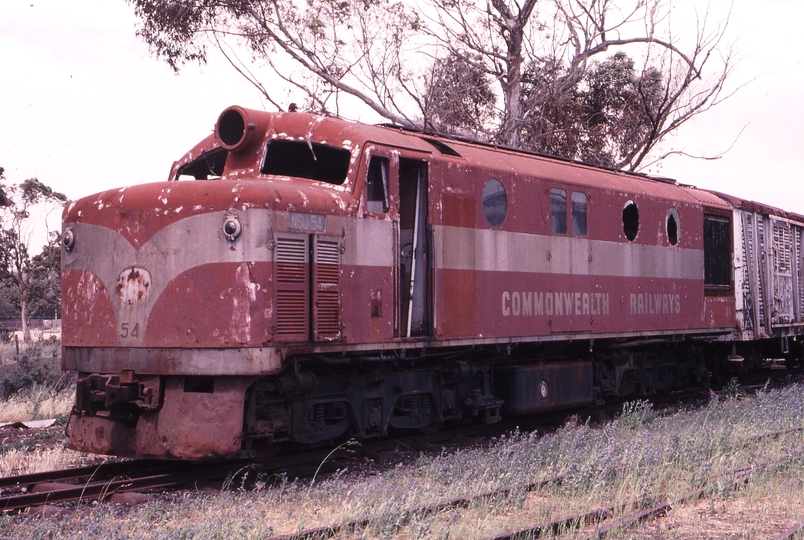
531	389
754	284
763	272
326	301
750	277
799	279
292	286
782	266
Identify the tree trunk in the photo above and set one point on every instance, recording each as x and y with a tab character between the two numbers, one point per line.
514	34
26	331
512	92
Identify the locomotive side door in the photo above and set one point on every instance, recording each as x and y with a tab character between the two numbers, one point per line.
414	268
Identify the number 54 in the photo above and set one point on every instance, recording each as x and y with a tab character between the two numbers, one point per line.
126	330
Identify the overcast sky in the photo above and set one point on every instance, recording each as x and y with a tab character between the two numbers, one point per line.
84	107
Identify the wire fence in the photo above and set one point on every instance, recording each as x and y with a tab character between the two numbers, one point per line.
9	327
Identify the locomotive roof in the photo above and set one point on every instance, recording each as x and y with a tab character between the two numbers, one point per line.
496	159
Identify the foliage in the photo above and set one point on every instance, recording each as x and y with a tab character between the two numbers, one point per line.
29	283
355	48
3	196
557	77
733	389
603	119
37	363
32	384
458	99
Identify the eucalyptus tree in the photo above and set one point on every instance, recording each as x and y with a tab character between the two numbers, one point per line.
30	283
520	73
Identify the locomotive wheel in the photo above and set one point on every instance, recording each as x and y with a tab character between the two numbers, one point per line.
267	451
431	428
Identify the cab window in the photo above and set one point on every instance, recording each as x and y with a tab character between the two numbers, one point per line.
578	213
377	185
558	211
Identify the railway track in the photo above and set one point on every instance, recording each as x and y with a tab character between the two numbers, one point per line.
102	481
606	520
105	480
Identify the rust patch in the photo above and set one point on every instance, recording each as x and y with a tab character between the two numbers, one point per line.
88	316
376	303
133	285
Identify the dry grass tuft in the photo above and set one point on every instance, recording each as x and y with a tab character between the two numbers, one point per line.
14	462
37	403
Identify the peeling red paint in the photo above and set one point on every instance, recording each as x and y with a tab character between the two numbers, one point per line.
87	315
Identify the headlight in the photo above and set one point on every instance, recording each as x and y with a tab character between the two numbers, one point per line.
231	227
68	239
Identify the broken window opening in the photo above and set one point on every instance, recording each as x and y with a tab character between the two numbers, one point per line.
295	158
630	220
672	226
207	166
495	202
717	254
558	211
377	185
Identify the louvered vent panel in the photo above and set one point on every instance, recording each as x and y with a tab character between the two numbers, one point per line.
291	312
329	321
327	291
781	250
798	272
328	259
291	256
292	286
748	252
782	263
761	262
290	272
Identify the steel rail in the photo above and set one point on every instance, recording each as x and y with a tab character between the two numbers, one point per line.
740	475
399	517
594	516
98	471
102	489
791	532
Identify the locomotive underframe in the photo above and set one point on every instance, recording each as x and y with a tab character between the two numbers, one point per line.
320	399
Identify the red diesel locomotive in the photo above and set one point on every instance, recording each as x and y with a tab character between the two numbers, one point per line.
300	279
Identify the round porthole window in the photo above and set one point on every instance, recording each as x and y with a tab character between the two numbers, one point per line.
630	220
673	226
495	202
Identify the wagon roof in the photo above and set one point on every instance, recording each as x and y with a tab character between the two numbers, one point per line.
760	208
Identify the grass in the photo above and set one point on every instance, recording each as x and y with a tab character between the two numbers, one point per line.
36	403
33	386
24	365
17	461
640	457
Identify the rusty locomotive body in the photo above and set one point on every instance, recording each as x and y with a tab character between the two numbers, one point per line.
303	279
